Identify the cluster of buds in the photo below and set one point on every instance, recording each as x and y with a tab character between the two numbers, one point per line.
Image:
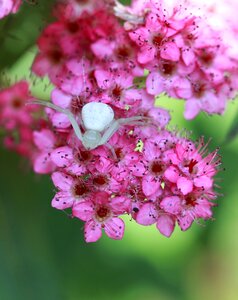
104	143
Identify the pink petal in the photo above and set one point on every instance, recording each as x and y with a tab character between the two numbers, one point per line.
76	169
120	205
101	198
154	84
152	23
147	214
188	56
182	88
185	185
41	65
60	120
203	209
102	48
149	185
92	231
171	205
203	181
44	139
83	210
43	164
74	85
139	35
165	225
103	79
160	115
62	200
170	51
138	169
185	222
61	99
172	174
78	66
62	156
62	181
146	55
114	228
192	108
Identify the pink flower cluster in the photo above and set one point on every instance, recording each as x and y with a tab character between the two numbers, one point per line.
168	181
188	56
142	170
9	6
17	119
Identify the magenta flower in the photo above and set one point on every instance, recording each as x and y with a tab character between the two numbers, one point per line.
104	143
13	108
9	6
101	212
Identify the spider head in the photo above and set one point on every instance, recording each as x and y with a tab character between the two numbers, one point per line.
91	139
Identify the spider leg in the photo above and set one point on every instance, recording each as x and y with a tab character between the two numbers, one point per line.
113	127
136	120
112	150
68	113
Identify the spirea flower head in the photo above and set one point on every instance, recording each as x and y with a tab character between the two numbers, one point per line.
189	57
168	180
104	143
171	181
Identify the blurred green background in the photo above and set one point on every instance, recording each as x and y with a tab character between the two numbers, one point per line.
42	252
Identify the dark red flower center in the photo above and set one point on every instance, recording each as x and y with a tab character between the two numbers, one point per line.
157	40
81	1
191	165
100	180
167	68
156	167
102	213
190	200
80	189
198	89
117	91
84	156
55	56
17	103
206	58
76	105
119	153
73	27
123	52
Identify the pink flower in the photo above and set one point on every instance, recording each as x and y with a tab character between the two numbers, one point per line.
189	50
45	141
13	108
101	212
9	6
190	168
116	87
149	214
71	189
142	169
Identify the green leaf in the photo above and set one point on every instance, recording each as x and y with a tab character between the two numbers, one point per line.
18	32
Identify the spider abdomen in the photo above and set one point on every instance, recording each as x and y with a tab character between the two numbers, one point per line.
97	116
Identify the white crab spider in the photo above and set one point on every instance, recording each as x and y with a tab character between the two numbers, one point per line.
98	120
